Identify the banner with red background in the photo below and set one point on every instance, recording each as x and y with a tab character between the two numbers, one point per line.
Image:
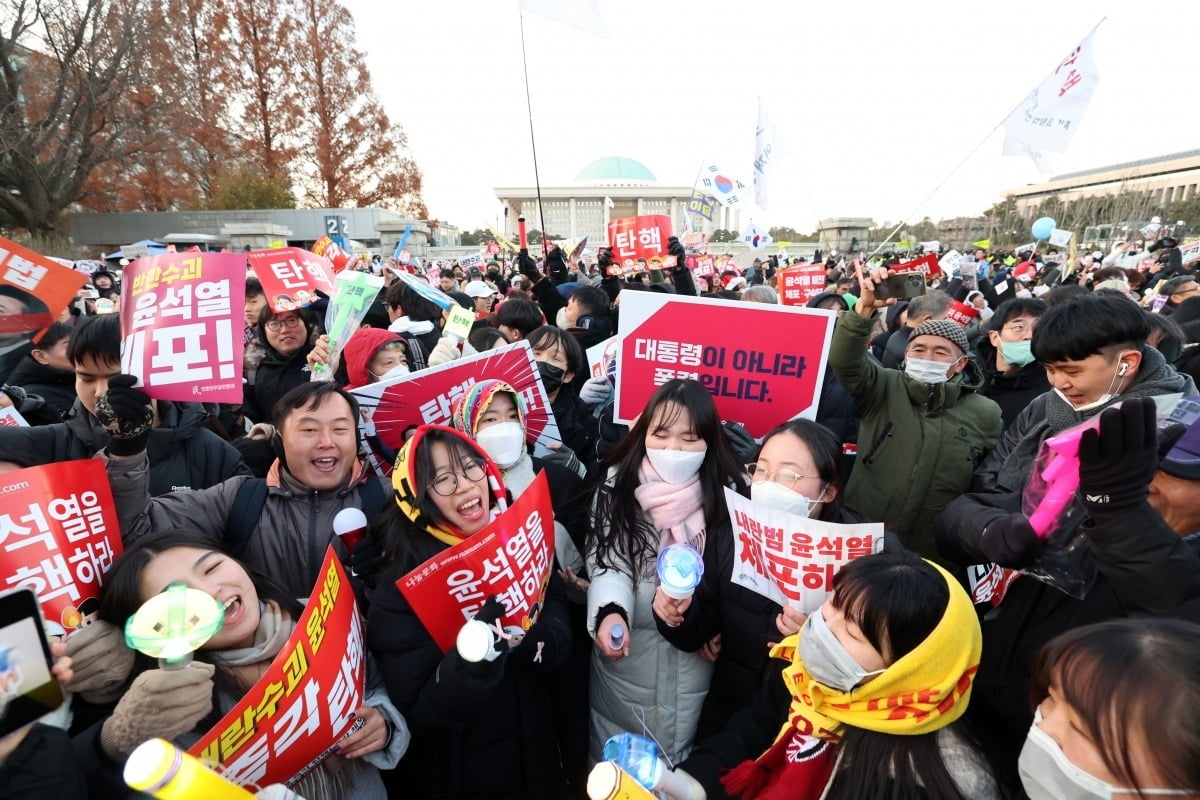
798	285
645	237
291	276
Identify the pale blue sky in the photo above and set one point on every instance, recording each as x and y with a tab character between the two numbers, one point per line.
875	102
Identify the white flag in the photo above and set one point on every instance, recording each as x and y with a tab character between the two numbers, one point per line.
764	149
1060	238
608	202
728	190
756	237
582	15
1048	117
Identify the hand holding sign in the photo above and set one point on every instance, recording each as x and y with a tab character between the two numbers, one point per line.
126	414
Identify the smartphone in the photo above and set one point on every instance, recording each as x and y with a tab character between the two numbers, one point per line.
28	690
904	286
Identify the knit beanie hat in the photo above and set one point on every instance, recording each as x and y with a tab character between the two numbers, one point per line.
943	328
465	414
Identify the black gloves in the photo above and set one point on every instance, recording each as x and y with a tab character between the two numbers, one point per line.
1117	463
556	265
675	248
528	266
1010	541
126	414
365	560
605	262
743	444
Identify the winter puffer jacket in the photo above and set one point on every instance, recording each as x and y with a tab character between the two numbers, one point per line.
184	454
55	386
294	529
276	376
658	680
919	442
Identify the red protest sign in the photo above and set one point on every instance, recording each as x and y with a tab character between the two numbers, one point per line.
704	266
305	701
58	538
510	559
762	363
291	276
639	237
329	249
798	285
37	289
392	409
961	313
792	559
927	265
179	315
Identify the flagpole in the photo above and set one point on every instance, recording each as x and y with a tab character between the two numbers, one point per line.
532	142
960	164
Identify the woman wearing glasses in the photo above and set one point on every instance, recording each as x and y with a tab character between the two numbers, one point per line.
797	471
480	730
286	338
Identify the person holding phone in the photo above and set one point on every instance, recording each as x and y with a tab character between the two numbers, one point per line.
924	427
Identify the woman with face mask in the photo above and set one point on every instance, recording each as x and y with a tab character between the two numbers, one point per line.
797	471
1117	705
479	730
664	485
869	701
184	704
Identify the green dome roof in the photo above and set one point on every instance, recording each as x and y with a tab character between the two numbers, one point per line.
615	169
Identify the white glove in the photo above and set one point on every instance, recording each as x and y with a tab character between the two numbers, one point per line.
444	352
595	391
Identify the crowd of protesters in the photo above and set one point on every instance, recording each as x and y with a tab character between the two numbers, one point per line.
906	683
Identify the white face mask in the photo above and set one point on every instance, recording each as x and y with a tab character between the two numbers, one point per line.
1116	383
395	372
1047	773
676	466
560	319
826	659
779	497
504	442
927	371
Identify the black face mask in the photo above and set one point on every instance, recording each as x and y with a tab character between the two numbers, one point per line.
552	376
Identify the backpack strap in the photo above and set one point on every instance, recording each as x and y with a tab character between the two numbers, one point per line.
245	514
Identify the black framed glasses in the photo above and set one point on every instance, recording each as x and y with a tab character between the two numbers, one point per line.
446	484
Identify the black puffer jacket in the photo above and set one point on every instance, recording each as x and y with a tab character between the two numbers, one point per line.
184	454
484	733
276	376
1013	392
1143	569
55	386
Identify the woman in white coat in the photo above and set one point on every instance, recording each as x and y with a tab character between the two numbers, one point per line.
664	485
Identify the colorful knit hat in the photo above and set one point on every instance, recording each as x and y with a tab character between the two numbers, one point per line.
470	407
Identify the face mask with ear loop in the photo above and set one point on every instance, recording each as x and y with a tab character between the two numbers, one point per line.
1118	381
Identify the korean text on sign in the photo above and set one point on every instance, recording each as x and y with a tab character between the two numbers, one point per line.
307	699
642	237
792	559
179	314
58	534
291	276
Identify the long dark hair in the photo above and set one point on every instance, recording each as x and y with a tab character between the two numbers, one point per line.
826	450
123	597
1127	678
620	535
896	599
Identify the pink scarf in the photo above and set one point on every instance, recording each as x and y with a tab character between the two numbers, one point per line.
677	510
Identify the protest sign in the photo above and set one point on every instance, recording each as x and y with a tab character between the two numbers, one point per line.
291	276
423	288
792	559
181	316
392	408
134	251
961	313
468	261
307	699
1190	252
988	583
11	418
329	249
37	289
949	263
798	285
927	265
763	364
510	559
702	266
639	237
57	537
1060	238
701	204
601	356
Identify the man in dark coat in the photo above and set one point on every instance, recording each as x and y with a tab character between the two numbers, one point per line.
286	337
47	372
1012	377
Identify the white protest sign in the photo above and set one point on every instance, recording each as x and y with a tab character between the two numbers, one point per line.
1060	238
790	559
949	262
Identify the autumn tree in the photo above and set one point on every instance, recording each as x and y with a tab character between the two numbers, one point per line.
66	72
250	187
349	151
